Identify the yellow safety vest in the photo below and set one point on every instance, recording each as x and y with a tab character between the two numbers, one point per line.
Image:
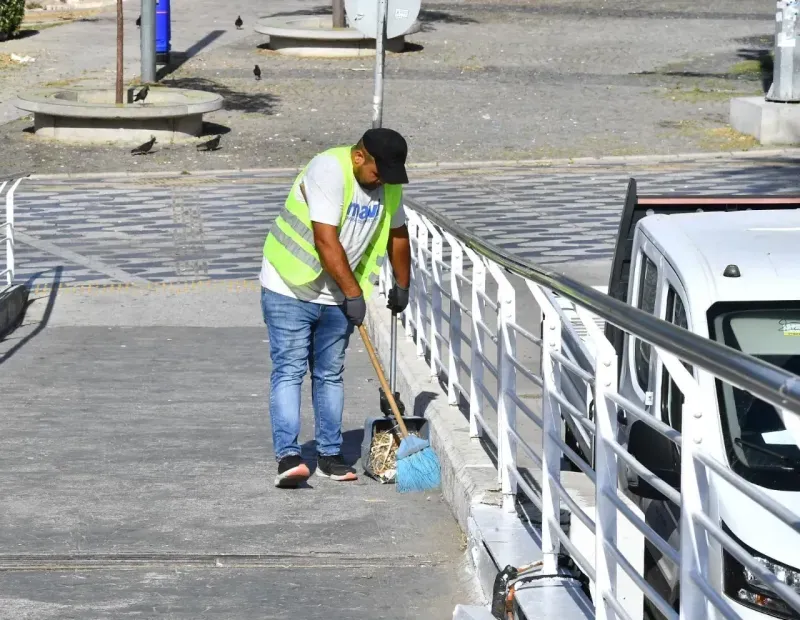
289	246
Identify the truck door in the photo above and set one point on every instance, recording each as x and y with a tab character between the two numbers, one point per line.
662	515
638	360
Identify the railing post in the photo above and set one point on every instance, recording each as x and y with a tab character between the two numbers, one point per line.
436	300
424	292
9	229
605	380
506	386
476	364
551	419
694	499
384	278
454	343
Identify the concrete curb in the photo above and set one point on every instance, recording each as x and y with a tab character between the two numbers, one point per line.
468	475
729	156
12	306
495	538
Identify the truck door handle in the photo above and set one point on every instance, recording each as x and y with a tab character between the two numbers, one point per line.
622	417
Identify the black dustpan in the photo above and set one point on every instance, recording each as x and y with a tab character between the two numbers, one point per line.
415	424
372	426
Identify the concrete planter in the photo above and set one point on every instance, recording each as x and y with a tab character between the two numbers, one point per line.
90	115
769	122
313	35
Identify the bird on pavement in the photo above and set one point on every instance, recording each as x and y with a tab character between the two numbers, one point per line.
142	94
238	23
257	72
144	148
139	21
211	145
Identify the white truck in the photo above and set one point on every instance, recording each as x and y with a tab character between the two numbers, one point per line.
725	268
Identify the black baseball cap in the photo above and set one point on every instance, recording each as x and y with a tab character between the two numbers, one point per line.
389	150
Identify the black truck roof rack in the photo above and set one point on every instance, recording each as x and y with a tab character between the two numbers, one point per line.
636	207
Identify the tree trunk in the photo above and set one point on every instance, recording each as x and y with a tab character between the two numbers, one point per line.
119	51
338	14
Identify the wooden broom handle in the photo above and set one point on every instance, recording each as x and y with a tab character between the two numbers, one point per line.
382	378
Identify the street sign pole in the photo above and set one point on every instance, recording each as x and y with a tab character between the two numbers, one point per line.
786	73
148	41
120	38
381	20
380	61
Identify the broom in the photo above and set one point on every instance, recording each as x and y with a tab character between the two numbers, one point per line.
417	466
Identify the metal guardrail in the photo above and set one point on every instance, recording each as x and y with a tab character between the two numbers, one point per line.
441	276
8	185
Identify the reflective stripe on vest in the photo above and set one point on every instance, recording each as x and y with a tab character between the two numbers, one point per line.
298	251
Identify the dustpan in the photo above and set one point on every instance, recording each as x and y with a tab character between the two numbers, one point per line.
387	423
373	426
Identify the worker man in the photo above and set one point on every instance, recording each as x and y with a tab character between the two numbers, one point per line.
342	216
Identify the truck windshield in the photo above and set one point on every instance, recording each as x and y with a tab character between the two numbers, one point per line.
758	446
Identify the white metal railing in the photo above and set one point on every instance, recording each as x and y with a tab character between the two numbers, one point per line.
494	384
7	189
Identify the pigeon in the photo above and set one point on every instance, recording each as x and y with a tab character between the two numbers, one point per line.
257	72
142	94
238	23
211	145
144	148
139	21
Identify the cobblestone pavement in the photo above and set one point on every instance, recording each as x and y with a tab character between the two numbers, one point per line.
508	79
142	229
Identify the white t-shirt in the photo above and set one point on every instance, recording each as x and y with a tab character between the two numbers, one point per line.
324	186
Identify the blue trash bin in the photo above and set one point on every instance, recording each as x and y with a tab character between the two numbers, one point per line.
163	32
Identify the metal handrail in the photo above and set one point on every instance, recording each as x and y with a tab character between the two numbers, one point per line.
595	429
7	196
768	382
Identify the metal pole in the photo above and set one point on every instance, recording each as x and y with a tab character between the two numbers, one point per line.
786	71
380	59
338	14
148	41
119	52
10	261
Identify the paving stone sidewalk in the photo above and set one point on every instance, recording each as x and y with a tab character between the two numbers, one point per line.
211	226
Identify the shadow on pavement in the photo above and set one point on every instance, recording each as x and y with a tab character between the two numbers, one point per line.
177	59
428	18
212	129
351	448
765	64
262	103
51	302
318	10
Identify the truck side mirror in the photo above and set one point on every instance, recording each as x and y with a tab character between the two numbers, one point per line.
657	453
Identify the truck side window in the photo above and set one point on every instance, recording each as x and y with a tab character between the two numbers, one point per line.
647	302
671	396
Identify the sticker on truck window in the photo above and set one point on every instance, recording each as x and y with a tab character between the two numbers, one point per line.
790	328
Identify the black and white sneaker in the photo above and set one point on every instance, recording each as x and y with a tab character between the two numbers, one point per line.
292	471
334	467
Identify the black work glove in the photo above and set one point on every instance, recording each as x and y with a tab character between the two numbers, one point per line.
355	308
397	299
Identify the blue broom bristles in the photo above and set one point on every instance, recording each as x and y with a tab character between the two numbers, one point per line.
417	466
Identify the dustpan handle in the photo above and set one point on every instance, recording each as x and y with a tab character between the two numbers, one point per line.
382	378
393	355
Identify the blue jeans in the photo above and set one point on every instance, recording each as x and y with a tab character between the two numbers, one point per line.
302	336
